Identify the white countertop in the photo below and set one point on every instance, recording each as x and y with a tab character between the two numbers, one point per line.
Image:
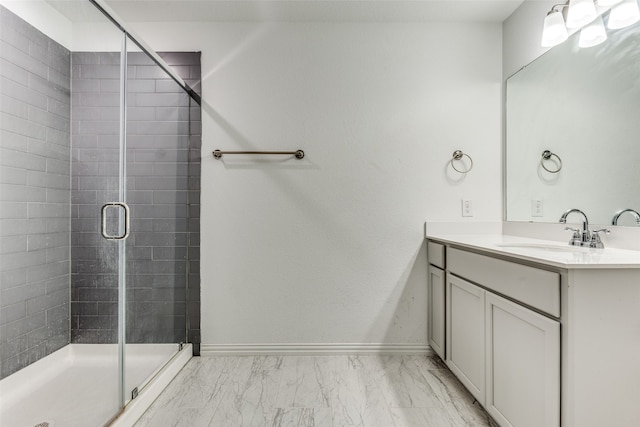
544	251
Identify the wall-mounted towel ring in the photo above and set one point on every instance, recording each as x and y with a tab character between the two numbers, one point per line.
458	155
548	155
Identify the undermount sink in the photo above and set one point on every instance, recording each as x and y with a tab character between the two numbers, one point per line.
542	247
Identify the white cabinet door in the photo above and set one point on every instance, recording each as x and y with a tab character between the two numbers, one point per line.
522	365
465	334
437	310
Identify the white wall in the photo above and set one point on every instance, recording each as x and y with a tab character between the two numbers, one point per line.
330	249
522	33
98	37
43	17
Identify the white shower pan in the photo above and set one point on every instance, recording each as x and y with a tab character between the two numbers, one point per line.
77	385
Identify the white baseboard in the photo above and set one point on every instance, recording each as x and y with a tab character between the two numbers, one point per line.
311	349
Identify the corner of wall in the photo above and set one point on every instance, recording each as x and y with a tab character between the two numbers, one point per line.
521	34
44	17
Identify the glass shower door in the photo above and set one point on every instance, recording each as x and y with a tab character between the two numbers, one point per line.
95	236
157	164
102	229
98	258
97	221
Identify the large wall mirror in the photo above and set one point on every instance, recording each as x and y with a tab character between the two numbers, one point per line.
582	107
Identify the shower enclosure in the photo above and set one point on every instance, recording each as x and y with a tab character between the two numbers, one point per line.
99	219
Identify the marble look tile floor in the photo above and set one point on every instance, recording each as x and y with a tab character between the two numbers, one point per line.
315	391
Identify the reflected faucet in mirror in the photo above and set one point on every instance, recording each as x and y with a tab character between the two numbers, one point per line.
633	212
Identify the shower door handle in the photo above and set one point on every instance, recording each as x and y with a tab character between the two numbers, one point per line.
127	215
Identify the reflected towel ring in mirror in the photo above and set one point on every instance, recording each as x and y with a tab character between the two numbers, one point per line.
458	155
548	155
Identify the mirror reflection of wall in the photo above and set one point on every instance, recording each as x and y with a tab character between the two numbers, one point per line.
582	104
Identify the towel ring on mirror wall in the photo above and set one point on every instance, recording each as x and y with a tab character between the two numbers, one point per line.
548	155
458	155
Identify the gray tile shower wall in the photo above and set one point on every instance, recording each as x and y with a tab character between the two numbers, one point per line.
95	181
34	194
163	188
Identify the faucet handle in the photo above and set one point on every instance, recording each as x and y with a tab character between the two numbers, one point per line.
596	242
576	239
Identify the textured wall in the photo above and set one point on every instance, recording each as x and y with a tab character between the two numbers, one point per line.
330	249
34	194
162	136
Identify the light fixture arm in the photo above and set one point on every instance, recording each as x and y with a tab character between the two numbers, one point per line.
560	5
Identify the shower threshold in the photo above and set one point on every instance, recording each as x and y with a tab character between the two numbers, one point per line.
77	386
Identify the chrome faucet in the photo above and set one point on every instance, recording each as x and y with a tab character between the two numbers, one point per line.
635	213
584	237
579	238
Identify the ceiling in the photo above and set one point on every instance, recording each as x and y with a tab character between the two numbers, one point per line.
302	10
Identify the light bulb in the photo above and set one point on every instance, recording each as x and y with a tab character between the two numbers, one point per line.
623	14
593	34
554	31
581	12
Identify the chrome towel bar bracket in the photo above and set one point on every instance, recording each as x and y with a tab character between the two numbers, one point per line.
299	154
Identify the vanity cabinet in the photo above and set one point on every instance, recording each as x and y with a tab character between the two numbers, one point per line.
466	334
559	329
436	298
522	365
503	336
436	313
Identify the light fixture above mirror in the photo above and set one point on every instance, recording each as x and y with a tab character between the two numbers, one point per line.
623	14
580	13
555	30
593	33
586	16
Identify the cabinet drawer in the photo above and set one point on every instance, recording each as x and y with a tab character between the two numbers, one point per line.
531	286
435	252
